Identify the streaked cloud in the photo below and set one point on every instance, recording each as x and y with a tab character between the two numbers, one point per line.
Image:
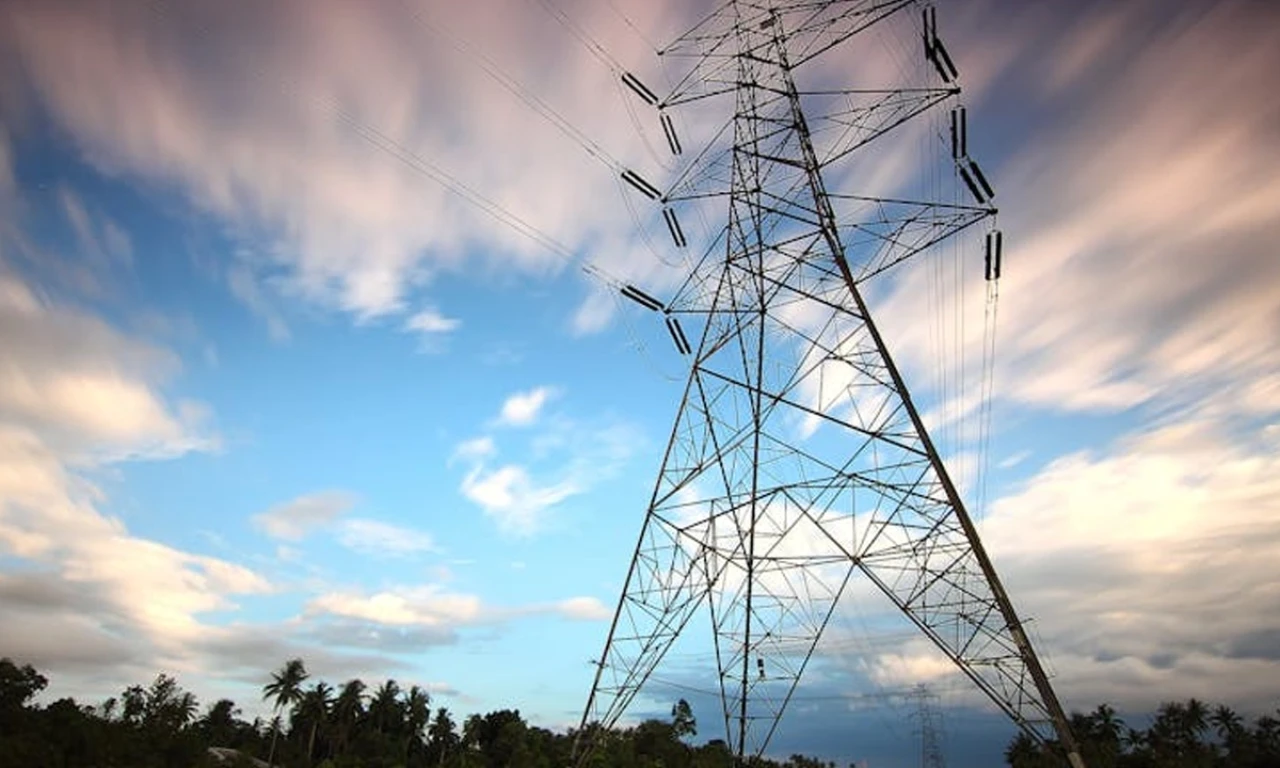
1139	224
432	607
304	126
379	539
295	519
1140	274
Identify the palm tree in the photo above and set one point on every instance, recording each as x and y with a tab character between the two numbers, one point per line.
442	736
347	710
1197	716
1107	731
314	707
286	688
417	707
384	708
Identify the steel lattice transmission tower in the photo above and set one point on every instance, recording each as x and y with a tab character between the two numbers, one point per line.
798	461
930	727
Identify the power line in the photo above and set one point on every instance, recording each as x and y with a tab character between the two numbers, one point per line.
425	167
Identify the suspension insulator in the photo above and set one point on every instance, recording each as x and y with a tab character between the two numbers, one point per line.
972	185
639	88
959	133
943	60
641	298
669	129
673	226
981	179
929	19
677	335
645	188
995	246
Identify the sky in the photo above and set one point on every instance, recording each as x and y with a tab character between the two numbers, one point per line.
271	385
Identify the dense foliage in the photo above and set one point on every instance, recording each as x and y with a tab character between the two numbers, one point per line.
315	725
1182	735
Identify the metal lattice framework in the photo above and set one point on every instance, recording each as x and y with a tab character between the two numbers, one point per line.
798	461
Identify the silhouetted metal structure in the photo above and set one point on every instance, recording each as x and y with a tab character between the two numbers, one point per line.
929	720
798	461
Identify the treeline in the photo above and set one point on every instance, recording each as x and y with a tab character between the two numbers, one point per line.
1188	734
316	725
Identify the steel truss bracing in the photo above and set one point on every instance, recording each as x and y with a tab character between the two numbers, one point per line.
798	462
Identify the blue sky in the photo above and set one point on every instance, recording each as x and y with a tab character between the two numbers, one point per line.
266	390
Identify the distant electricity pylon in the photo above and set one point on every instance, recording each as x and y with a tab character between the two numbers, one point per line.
798	462
930	729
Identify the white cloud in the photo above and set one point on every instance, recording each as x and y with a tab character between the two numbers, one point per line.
76	397
256	130
85	387
300	517
575	457
512	498
1014	459
422	606
294	519
523	408
474	449
379	539
1176	202
429	321
584	608
431	606
1150	568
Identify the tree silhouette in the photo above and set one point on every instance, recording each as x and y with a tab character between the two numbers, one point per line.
154	727
286	688
313	711
442	738
417	707
348	709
